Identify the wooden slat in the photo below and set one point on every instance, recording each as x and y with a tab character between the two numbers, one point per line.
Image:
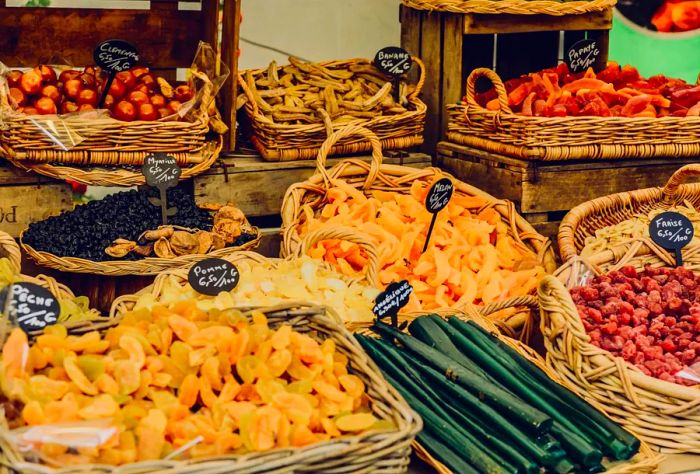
21	205
410	36
481	24
165	36
229	55
246	181
452	73
431	46
521	53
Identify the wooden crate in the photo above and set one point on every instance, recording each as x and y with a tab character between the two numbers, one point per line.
544	191
453	44
166	35
28	197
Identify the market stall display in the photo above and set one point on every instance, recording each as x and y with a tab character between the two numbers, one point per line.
135	242
482	251
563	117
609	331
292	109
596	224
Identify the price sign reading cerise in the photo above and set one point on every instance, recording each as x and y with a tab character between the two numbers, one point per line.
114	56
162	171
213	275
30	306
391	300
437	199
672	231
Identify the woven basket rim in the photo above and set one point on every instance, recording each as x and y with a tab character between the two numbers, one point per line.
518	7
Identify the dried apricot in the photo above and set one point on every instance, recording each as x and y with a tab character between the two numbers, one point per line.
127	375
70	364
189	390
355	422
102	406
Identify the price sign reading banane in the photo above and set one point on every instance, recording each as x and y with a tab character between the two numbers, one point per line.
672	231
213	275
30	306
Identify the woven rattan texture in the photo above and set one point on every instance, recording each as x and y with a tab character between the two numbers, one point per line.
515	7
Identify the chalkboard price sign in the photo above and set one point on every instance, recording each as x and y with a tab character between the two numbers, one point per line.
391	300
30	306
395	62
672	231
437	199
584	54
213	275
162	171
114	56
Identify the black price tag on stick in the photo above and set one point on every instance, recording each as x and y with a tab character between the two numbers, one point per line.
437	199
29	306
213	275
162	171
672	231
395	62
114	56
391	300
584	54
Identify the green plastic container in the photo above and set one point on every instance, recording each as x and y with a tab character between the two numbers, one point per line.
671	54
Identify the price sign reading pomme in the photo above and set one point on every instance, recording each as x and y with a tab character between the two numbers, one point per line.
672	231
213	275
31	306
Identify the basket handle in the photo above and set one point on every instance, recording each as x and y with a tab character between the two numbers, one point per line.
497	84
671	188
350	235
248	93
327	146
421	78
10	249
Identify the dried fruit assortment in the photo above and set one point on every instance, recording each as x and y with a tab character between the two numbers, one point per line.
275	282
173	241
649	318
677	16
472	258
136	94
295	93
614	92
163	378
635	227
89	229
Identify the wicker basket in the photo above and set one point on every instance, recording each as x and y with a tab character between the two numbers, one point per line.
108	145
285	142
375	175
514	7
567	138
585	219
664	414
143	267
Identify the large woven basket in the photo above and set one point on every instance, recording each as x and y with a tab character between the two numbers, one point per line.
664	414
585	219
108	145
376	175
285	142
566	138
143	267
645	462
514	7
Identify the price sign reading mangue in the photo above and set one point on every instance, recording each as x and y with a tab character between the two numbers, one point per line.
114	56
672	231
437	199
584	54
213	275
30	306
162	171
390	301
395	62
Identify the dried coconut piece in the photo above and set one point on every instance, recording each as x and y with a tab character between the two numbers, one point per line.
120	248
184	243
162	248
160	232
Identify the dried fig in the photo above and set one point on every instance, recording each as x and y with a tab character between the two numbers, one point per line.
184	243
205	240
160	232
229	212
228	229
120	248
162	248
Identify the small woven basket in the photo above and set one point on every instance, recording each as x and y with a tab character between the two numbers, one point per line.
585	219
664	414
375	175
566	138
513	7
143	267
287	142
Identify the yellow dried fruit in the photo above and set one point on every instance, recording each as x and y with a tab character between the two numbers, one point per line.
184	243
162	248
120	248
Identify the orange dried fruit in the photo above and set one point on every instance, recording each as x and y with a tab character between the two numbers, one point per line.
352	384
355	422
210	371
279	361
127	375
282	337
189	390
33	413
106	383
183	328
102	406
296	407
70	365
134	348
15	354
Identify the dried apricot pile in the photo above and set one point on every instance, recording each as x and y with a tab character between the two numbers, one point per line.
169	375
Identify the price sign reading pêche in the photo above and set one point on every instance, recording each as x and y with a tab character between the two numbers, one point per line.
437	199
114	56
30	306
391	300
162	171
213	275
672	231
395	62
